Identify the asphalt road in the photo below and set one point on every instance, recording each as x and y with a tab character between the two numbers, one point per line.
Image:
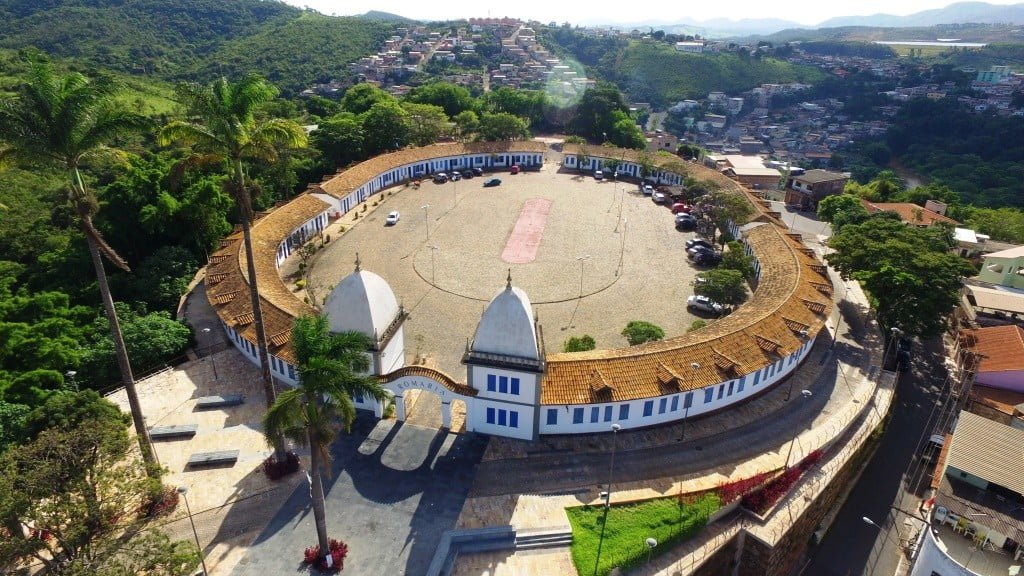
852	547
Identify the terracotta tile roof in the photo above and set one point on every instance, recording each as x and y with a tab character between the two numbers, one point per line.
343	183
755	335
909	212
789	299
1001	346
1005	401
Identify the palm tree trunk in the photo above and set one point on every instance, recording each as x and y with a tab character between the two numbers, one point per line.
317	491
127	378
246	212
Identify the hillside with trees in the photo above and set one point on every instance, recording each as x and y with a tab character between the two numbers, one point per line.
193	39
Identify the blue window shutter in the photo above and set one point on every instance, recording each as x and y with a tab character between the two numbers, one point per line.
662	405
552	416
577	415
675	403
689	400
515	386
595	414
648	407
492	383
709	395
490	415
513	419
623	411
607	413
503	384
502	417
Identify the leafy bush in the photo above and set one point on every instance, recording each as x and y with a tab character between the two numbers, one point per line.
163	502
338	551
667	520
275	470
639	331
696	325
762	500
734	490
579	344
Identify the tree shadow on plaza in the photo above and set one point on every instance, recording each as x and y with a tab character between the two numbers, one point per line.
384	513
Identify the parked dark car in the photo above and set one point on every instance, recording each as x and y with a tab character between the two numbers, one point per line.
699	242
685	222
707	259
467	174
490	183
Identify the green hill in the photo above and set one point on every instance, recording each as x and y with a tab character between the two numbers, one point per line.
193	39
657	73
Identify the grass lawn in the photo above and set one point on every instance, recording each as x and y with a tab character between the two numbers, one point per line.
629	526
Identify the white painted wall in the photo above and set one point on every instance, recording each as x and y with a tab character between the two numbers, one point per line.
528	389
479	409
667	408
931	559
393	357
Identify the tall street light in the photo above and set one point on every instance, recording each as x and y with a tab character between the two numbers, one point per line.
212	361
607	496
871	522
806	394
432	250
581	259
687	401
183	490
426	219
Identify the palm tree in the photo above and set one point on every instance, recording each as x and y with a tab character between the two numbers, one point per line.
331	372
63	121
224	128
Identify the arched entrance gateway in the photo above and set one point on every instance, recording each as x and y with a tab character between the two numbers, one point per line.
427	380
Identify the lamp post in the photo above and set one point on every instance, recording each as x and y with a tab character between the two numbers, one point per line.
183	490
686	404
789	391
607	496
806	394
212	361
871	522
426	219
432	250
580	259
651	544
70	376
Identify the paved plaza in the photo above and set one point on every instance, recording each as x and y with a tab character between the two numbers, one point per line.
633	261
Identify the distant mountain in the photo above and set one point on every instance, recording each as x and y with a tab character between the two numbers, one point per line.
387	17
958	13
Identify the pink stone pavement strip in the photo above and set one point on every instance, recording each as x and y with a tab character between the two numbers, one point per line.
524	242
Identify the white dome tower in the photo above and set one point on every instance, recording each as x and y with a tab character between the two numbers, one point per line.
364	302
505	364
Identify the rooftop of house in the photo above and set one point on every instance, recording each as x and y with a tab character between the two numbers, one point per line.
909	212
1004	515
818	176
1008	402
1001	347
1015	252
995	297
989	450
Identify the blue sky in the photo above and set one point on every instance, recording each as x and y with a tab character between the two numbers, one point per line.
802	11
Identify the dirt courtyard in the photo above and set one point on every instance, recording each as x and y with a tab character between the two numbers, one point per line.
444	259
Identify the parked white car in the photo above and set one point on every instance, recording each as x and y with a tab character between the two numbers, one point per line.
392	219
704	304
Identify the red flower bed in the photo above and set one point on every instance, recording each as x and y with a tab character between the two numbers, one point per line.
165	501
734	490
762	500
275	470
339	550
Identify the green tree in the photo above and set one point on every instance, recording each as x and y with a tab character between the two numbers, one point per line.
466	123
726	207
226	129
639	331
361	97
830	206
331	368
65	121
153	338
82	487
736	258
386	127
722	285
595	113
426	123
340	139
502	126
911	278
452	98
579	344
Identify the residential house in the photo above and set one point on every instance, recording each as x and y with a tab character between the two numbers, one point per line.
1000	353
809	188
910	213
748	170
662	141
976	516
1004	268
692	47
